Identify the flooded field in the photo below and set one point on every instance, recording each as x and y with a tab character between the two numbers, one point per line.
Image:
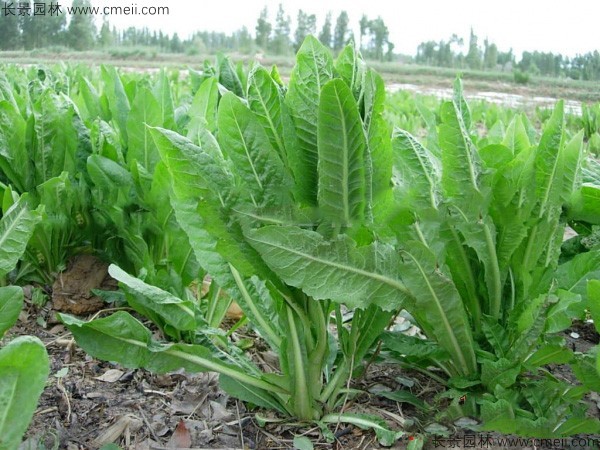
512	100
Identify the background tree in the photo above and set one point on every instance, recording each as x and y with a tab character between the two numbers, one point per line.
263	29
379	37
473	58
243	40
325	34
490	55
281	37
306	24
506	59
82	31
340	34
9	28
105	37
364	27
176	44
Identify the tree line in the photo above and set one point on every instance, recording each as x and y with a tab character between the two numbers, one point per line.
28	31
448	53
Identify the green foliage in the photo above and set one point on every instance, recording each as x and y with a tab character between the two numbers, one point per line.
24	364
319	222
222	191
520	76
485	238
24	368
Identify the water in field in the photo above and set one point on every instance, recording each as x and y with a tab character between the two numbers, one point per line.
500	98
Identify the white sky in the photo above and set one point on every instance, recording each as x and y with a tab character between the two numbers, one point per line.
566	27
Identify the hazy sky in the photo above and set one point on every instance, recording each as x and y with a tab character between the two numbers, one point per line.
567	27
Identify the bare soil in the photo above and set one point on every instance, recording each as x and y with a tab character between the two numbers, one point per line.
89	403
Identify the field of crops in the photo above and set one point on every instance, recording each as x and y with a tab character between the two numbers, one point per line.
395	266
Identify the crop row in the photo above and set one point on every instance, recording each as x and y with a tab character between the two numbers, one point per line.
301	204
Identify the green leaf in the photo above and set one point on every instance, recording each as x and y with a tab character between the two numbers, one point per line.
266	101
498	415
111	180
117	99
124	339
438	306
194	169
250	394
217	246
378	159
302	443
548	164
385	436
562	313
461	165
460	104
481	237
16	227
496	335
341	148
516	137
203	110
573	275
24	368
245	142
145	112
586	371
584	204
174	311
418	171
314	67
571	156
550	354
110	447
162	93
119	338
91	99
593	290
406	397
11	303
54	139
351	67
578	425
228	76
15	163
503	373
335	270
415	442
412	346
370	323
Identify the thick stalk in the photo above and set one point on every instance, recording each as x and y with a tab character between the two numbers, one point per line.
317	355
496	294
302	401
236	374
262	321
471	299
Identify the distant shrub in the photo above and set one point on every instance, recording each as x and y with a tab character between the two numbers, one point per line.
520	76
128	53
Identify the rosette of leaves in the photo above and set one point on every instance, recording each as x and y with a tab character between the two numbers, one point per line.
279	189
480	230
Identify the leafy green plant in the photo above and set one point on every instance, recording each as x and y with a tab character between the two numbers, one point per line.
269	155
129	186
24	363
307	211
43	146
521	77
481	261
